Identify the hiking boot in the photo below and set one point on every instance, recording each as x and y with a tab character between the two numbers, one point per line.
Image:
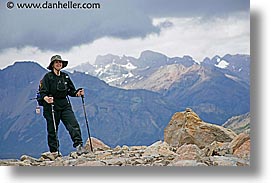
80	150
56	154
51	155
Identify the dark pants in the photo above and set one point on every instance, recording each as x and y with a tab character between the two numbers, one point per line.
68	118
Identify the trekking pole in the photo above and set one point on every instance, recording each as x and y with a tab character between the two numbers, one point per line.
82	97
55	131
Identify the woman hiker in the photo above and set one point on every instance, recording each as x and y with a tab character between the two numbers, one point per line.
54	89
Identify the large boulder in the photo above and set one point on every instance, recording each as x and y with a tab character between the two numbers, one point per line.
187	128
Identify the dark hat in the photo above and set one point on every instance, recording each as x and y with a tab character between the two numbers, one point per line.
57	57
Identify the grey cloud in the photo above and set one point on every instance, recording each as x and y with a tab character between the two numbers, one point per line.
189	8
63	29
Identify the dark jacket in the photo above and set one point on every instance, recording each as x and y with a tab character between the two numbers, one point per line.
58	87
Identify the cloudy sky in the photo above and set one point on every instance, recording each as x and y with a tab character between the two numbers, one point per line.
198	28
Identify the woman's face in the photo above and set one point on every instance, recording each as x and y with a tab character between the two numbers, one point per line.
57	65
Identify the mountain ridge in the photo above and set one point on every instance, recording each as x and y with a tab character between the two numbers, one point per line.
113	70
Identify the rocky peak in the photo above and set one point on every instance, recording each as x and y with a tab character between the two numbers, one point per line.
106	59
151	59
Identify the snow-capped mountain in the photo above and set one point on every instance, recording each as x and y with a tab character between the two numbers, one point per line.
116	71
131	73
125	71
112	69
232	65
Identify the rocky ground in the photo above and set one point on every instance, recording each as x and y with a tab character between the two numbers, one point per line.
188	141
158	154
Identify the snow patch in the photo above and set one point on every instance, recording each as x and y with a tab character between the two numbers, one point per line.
129	66
222	64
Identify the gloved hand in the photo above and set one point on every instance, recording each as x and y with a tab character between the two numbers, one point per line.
49	100
80	92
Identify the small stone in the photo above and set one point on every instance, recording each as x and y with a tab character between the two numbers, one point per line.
125	148
26	157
